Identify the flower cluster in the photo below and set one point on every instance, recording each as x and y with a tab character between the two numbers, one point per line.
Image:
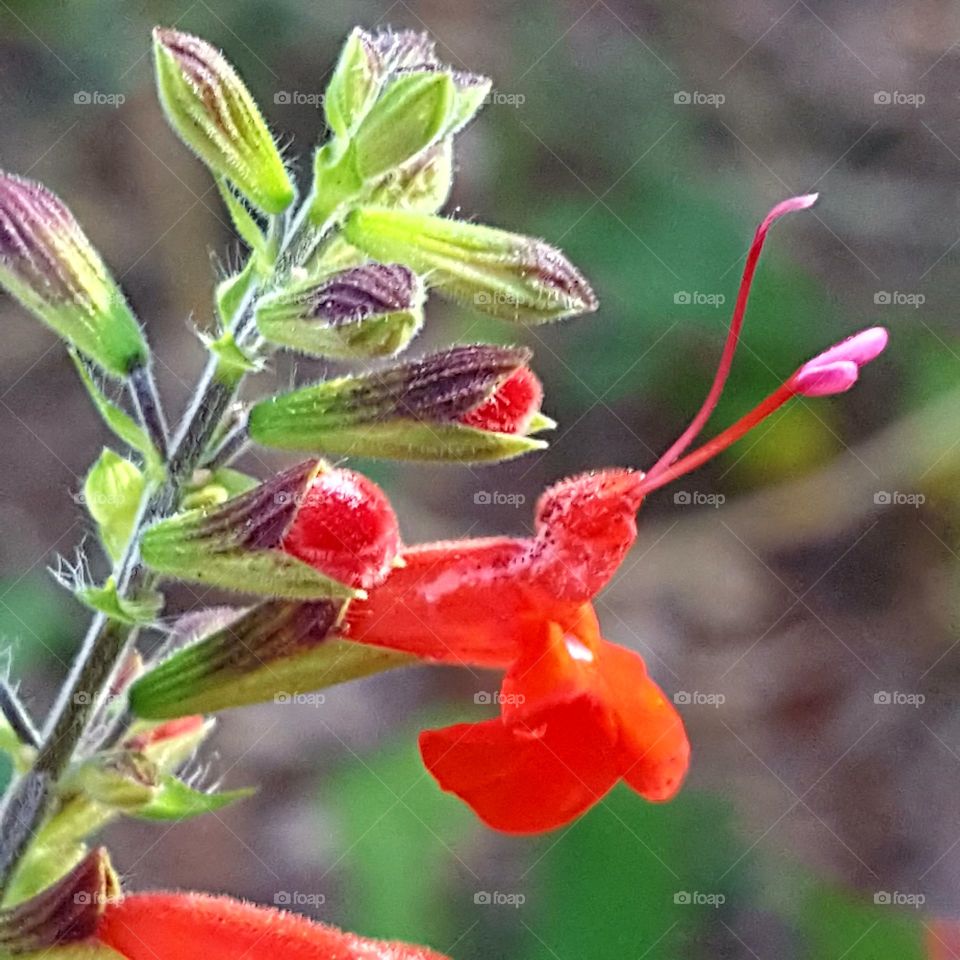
333	593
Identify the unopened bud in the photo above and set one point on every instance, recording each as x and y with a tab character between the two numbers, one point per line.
66	912
49	265
354	85
274	651
367	311
504	274
236	545
446	406
213	113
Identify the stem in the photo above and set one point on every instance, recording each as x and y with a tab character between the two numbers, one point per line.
146	400
106	640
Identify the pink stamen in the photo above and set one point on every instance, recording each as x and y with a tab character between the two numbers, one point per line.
833	371
733	335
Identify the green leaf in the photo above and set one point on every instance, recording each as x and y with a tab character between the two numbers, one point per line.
132	612
176	801
118	421
232	363
246	224
112	493
232	290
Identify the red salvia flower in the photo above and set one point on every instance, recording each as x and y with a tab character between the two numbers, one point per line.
193	926
578	714
346	528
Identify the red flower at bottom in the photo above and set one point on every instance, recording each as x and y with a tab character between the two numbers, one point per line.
578	715
194	926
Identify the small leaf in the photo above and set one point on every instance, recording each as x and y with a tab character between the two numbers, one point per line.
232	363
112	492
232	290
176	801
118	421
244	221
133	612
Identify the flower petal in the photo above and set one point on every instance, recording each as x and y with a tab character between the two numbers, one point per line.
463	602
654	745
521	778
193	926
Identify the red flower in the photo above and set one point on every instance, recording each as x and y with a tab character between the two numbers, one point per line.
346	528
193	926
578	713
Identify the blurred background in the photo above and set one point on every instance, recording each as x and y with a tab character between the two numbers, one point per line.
797	598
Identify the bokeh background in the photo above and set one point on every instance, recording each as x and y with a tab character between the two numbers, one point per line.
798	597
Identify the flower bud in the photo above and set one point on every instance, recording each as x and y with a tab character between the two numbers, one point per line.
466	404
346	528
213	113
354	85
274	651
121	780
411	114
423	185
504	274
236	545
368	311
66	912
48	264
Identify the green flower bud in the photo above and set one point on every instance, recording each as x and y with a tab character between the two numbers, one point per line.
411	114
450	406
274	651
121	780
236	545
354	85
48	264
504	274
213	113
112	492
421	186
369	311
66	912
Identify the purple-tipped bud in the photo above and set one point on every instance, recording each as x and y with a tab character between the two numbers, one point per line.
49	265
505	274
213	113
459	404
368	311
68	911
